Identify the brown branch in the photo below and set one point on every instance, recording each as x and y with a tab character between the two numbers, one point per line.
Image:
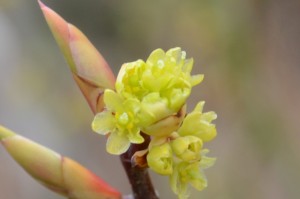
138	177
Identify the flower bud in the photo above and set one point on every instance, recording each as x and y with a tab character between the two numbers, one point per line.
56	172
187	148
160	160
90	70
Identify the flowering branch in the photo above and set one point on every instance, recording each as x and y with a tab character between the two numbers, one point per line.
142	113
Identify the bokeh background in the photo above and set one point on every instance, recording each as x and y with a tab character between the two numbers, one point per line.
249	51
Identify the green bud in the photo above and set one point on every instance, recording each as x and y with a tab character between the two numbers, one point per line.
160	160
187	148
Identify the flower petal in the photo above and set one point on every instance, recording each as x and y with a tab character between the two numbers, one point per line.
178	186
199	107
209	116
135	137
132	105
117	144
196	176
198	124
188	125
188	65
196	79
206	162
103	123
207	131
113	101
155	56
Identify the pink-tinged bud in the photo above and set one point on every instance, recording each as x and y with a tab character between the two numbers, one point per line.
83	184
90	70
60	31
56	172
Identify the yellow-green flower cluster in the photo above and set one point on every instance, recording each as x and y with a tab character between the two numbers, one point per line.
164	76
150	98
181	155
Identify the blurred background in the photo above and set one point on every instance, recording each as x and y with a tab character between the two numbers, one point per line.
249	51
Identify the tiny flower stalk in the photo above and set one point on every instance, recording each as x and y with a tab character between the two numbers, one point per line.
54	171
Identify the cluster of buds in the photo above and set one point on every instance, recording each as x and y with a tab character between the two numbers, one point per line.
150	98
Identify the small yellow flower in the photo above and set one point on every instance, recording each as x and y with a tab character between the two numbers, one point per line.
192	173
188	158
120	121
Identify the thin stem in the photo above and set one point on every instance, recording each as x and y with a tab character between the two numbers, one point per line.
138	177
